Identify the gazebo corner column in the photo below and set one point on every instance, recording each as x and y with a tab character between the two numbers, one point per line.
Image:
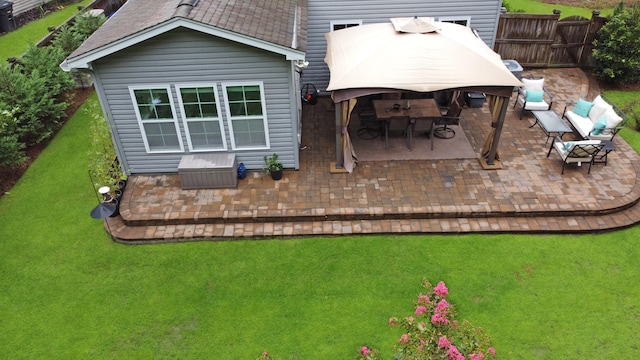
337	167
490	162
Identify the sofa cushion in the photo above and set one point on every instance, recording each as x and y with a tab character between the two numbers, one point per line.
599	126
583	107
613	119
582	124
534	96
533	85
598	108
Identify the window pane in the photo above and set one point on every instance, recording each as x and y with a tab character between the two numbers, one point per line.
164	111
205	135
206	95
147	112
189	95
237	109
142	96
161	136
209	110
254	108
192	110
252	92
234	93
160	96
249	133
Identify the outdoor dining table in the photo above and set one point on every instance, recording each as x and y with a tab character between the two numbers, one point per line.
419	109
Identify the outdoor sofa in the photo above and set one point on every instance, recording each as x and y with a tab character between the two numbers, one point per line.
595	120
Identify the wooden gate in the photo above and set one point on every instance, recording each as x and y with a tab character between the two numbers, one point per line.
546	41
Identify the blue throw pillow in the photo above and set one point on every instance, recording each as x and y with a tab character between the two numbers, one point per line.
583	107
534	96
567	145
600	125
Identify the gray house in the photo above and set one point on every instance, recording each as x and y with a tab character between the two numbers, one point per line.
180	77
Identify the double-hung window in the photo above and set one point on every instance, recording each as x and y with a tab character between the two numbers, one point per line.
343	24
246	114
156	118
200	111
460	20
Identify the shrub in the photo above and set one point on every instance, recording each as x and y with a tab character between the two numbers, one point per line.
103	167
39	111
11	150
617	48
433	333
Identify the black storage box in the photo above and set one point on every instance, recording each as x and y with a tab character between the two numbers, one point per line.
475	100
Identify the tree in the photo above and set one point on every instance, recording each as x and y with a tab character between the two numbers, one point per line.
617	48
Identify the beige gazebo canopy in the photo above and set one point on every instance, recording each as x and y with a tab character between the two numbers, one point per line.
413	54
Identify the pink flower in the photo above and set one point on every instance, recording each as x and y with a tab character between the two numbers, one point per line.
454	354
404	339
492	351
439	319
393	321
421	310
365	351
423	299
420	347
443	342
478	356
442	306
441	290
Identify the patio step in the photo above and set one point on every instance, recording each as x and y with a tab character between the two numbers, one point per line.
567	222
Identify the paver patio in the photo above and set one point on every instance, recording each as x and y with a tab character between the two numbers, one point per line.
399	196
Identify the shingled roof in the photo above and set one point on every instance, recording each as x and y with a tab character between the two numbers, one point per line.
282	23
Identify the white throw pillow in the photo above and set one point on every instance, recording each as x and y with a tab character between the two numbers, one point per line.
533	85
598	109
613	119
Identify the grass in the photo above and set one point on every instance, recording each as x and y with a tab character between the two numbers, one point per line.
536	7
69	292
16	43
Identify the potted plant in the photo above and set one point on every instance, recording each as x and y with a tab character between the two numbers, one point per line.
273	166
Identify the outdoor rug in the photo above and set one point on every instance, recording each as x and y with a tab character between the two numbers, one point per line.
368	149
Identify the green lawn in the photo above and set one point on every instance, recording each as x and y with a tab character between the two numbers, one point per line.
17	42
537	7
69	292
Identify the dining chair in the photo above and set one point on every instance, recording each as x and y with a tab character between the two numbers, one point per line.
451	117
397	123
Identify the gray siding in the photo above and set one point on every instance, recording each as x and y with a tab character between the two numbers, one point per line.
185	56
484	18
20	6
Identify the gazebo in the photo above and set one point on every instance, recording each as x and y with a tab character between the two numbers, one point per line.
419	55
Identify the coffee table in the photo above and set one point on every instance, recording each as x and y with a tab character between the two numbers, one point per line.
550	123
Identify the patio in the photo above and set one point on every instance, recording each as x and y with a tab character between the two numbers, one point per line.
400	196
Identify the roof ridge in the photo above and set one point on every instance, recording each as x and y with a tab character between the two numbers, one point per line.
184	8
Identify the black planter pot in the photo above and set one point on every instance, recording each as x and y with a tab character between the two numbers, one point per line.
276	175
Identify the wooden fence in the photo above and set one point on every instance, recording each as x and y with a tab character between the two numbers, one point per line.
546	41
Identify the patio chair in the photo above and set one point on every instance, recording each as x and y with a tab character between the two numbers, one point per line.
398	123
576	152
533	96
451	117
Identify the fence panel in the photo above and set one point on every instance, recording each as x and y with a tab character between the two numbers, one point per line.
546	41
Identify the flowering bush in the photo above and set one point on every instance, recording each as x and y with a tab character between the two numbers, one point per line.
265	356
433	333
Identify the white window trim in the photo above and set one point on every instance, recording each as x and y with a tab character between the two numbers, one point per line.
141	125
343	22
185	120
455	18
265	121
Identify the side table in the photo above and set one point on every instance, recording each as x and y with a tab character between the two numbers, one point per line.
601	158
